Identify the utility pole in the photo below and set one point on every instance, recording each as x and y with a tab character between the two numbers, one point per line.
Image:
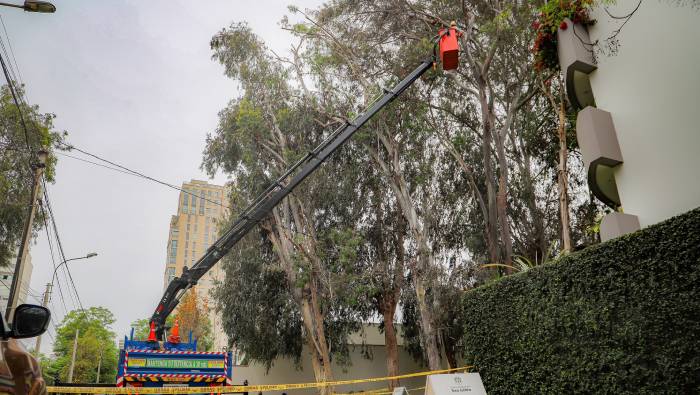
13	299
47	294
72	359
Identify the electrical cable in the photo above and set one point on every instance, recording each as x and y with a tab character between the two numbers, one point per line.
58	242
61	253
12	51
70	147
95	163
11	76
53	259
11	85
12	72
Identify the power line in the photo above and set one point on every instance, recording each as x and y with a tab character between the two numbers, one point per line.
60	247
22	98
11	85
58	242
139	174
95	163
53	259
7	55
12	51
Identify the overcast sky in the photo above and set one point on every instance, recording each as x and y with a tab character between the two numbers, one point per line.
132	81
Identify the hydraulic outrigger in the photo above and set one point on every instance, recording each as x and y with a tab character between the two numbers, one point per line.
447	40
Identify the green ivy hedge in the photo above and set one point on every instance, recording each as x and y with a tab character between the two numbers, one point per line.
619	317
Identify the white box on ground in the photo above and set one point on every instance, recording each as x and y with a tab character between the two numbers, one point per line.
458	383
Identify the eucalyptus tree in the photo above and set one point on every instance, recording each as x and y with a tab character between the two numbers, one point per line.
347	60
305	250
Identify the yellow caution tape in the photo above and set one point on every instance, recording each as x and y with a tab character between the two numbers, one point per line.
237	388
378	391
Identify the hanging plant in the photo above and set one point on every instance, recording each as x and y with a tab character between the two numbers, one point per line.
550	19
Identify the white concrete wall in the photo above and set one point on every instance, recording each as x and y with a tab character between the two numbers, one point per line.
284	371
652	88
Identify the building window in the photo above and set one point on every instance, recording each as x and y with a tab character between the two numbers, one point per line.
185	253
170	273
174	233
187	236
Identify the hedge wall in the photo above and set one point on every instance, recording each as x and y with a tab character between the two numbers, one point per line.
619	317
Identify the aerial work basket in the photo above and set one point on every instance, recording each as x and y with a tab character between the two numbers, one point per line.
449	47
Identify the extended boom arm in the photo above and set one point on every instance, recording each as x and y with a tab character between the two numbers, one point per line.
266	201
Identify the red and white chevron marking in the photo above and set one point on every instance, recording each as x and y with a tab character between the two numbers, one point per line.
120	381
216	376
179	352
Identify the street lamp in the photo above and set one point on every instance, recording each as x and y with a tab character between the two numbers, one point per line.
88	256
47	294
34	6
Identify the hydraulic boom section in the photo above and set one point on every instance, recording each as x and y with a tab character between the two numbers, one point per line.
282	187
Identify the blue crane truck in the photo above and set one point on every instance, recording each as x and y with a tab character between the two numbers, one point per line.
172	363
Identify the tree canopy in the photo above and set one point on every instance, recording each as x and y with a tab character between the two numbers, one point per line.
96	346
17	154
468	176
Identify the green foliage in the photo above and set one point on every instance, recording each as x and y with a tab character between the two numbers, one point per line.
259	304
550	19
619	317
95	341
142	327
15	173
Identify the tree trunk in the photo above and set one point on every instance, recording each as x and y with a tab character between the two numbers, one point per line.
487	138
427	320
538	240
399	187
318	348
502	204
562	174
563	180
306	298
390	342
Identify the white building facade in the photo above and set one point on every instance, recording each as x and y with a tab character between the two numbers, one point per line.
638	125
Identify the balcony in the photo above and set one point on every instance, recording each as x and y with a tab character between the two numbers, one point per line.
597	140
576	61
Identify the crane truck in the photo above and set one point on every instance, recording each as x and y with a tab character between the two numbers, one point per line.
161	362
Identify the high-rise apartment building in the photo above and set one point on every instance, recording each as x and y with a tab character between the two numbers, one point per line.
193	229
